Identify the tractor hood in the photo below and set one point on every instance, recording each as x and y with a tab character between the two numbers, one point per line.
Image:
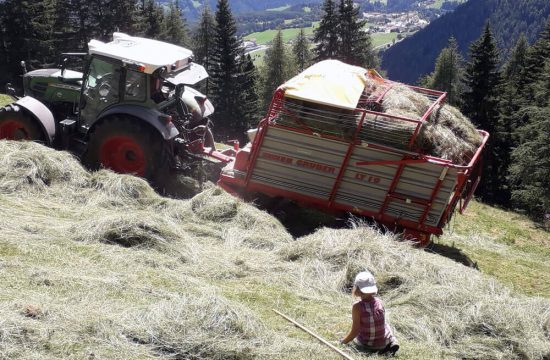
191	75
56	73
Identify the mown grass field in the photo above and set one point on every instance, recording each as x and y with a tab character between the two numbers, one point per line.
267	36
382	38
96	265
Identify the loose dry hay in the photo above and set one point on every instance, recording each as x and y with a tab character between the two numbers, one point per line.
429	299
161	293
25	167
198	327
447	134
241	223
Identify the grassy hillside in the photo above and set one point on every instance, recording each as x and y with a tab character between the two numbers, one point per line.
505	245
267	36
96	265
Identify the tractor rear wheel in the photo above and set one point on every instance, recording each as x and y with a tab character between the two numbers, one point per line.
17	125
127	146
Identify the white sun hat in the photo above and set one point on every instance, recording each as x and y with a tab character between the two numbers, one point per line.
366	283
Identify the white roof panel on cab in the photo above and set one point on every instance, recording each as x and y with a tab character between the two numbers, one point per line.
151	54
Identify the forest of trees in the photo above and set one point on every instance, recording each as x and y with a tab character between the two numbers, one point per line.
510	99
414	57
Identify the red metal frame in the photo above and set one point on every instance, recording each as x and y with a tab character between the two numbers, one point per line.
237	185
345	162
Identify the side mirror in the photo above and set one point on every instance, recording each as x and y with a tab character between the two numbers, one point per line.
63	65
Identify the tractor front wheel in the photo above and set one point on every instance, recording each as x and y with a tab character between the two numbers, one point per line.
17	125
126	146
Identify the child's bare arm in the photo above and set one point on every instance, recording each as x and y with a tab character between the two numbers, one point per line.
356	324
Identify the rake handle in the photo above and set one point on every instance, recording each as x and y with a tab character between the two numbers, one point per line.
343	354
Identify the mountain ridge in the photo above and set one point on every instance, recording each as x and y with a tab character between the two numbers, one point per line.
416	55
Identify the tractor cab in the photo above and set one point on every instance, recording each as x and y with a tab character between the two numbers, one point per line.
132	74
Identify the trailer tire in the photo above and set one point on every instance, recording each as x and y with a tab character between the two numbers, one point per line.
126	145
16	124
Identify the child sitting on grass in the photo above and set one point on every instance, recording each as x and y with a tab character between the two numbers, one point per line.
370	329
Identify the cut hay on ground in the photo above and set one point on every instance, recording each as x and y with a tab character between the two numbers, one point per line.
97	265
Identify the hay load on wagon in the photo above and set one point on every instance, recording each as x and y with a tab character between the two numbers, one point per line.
330	98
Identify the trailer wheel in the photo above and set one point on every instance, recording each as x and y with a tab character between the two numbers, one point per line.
126	146
17	125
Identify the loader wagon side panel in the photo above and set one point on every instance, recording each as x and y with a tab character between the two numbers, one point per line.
366	187
309	165
306	165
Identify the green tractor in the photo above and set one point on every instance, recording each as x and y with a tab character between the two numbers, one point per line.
132	110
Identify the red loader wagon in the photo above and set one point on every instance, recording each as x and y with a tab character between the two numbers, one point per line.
326	144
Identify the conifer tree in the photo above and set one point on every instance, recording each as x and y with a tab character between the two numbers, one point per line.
83	28
511	90
152	17
301	51
482	80
124	15
326	35
109	16
448	73
276	69
64	28
27	28
203	42
530	169
224	73
530	160
248	92
175	29
536	57
514	83
355	45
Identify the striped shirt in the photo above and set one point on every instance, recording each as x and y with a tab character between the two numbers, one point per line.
375	332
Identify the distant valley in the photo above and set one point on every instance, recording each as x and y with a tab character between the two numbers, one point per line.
416	55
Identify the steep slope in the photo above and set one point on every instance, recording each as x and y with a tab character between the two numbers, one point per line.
96	265
415	56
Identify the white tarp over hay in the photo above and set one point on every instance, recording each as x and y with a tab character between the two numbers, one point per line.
328	82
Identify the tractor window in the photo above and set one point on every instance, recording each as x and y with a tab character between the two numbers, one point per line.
102	81
136	89
101	89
